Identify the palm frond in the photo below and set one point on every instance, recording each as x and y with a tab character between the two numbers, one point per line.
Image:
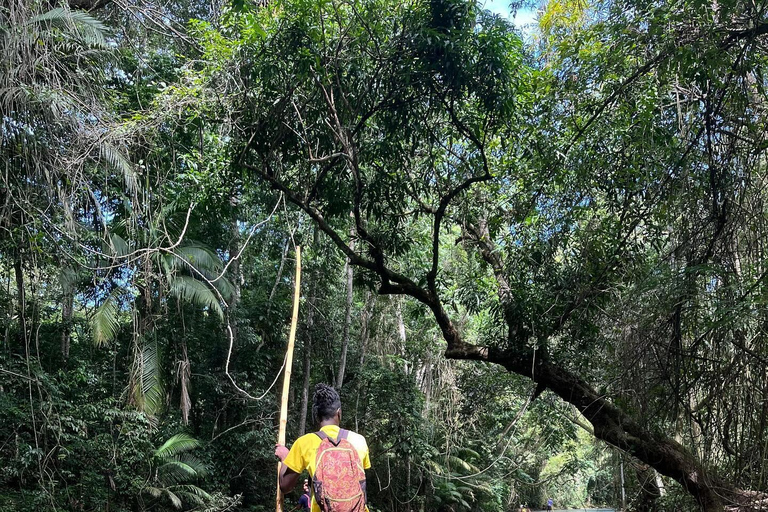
90	30
118	245
198	256
193	494
196	292
57	102
151	382
483	487
153	491
221	283
466	453
434	467
120	163
193	462
175	445
12	97
175	472
198	259
175	500
177	468
104	322
70	278
39	101
458	462
225	287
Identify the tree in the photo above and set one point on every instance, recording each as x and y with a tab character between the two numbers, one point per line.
587	212
426	124
51	109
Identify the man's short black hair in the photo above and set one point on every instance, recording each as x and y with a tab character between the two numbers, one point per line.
325	403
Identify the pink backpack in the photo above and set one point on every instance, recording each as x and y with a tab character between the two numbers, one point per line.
339	479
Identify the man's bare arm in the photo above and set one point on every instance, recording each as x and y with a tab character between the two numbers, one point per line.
288	477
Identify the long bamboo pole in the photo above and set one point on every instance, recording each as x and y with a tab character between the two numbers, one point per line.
287	374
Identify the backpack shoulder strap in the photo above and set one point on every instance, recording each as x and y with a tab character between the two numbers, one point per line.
335	442
343	434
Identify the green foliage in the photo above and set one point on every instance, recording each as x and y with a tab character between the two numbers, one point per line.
173	468
189	288
615	169
89	29
104	322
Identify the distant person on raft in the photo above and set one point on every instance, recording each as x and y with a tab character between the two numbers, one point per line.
336	459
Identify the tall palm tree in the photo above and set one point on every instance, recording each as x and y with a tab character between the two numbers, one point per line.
54	117
54	133
190	273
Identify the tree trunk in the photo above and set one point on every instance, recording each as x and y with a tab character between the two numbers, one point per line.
67	307
408	482
649	489
307	357
21	302
611	425
365	318
347	316
401	335
185	376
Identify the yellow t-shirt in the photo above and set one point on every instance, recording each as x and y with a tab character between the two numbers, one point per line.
302	453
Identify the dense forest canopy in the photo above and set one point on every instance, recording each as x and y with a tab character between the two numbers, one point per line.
533	263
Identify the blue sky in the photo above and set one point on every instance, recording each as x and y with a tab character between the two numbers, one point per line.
525	16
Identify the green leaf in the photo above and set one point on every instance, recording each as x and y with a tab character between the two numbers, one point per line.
196	292
104	322
90	30
175	445
119	162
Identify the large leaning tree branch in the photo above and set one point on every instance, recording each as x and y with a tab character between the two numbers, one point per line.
344	125
610	423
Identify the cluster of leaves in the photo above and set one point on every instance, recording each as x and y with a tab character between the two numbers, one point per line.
618	181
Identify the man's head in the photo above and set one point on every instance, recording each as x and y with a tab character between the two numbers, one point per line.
326	403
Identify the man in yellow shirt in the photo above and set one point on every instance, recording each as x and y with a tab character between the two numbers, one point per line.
326	410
